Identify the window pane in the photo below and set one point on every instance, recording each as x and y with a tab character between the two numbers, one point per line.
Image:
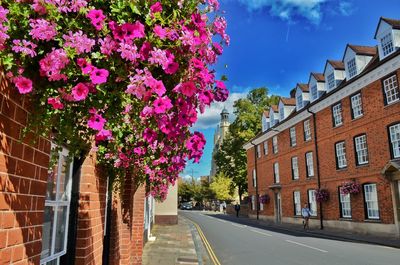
52	180
351	66
64	178
47	231
356	106
387	44
391	89
395	139
60	228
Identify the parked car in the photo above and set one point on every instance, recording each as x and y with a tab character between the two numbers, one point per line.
186	206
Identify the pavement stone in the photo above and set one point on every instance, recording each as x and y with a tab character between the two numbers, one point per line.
175	244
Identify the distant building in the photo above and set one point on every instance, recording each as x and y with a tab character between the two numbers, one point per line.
219	136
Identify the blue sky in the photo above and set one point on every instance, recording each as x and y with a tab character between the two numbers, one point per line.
277	43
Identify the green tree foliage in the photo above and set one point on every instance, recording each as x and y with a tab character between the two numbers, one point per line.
198	191
222	186
231	158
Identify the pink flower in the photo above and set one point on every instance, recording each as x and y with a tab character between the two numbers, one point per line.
96	18
23	84
38	7
99	76
80	92
107	45
103	135
161	105
79	41
96	122
24	47
160	32
157	86
128	52
156	7
133	31
145	50
217	48
55	103
206	97
42	29
188	89
86	67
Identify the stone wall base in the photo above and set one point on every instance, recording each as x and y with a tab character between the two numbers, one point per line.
166	219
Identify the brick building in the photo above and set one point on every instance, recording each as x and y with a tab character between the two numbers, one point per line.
62	215
343	126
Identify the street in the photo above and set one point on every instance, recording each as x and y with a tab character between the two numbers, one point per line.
239	244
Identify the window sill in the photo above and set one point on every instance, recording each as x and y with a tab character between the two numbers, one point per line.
341	169
296	179
359	117
391	104
349	219
338	126
373	221
362	165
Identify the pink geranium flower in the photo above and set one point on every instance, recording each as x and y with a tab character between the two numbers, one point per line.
99	76
96	18
55	103
80	92
23	84
96	122
161	105
160	32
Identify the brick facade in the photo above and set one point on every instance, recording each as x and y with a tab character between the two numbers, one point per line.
374	122
23	181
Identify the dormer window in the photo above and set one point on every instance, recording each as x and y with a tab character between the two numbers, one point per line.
282	113
352	68
314	92
331	81
387	44
299	101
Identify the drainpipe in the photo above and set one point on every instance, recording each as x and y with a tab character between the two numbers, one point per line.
321	218
255	168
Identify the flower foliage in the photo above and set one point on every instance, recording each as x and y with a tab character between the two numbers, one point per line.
129	75
264	199
321	195
350	187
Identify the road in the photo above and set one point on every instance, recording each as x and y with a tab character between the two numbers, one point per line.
238	244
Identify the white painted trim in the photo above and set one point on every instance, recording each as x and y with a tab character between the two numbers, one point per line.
376	74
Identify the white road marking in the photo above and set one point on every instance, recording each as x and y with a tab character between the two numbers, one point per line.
259	232
307	246
239	225
222	220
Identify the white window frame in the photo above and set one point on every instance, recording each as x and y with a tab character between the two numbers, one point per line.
391	89
266	148
345	203
297	202
258	151
387	44
371	201
352	67
282	113
394	134
56	204
340	151
314	92
307	130
253	202
310	164
337	115
331	81
299	100
312	202
356	106
254	178
275	144
276	173
293	140
361	147
295	168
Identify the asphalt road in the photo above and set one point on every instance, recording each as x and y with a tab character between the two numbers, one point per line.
238	244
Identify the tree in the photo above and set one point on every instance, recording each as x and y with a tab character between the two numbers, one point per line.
192	189
231	159
222	186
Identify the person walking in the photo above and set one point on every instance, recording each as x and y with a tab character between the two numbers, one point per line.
237	209
306	213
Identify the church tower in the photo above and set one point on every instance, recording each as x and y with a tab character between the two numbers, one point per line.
219	136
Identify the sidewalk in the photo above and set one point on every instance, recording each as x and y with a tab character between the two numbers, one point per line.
329	233
175	244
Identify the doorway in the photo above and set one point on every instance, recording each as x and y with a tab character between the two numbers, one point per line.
278	208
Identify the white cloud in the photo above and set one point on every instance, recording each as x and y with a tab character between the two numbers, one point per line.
288	9
346	8
211	116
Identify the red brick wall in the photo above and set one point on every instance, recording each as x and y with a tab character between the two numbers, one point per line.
91	217
374	123
23	175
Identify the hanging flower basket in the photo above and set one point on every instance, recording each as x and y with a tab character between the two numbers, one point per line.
322	195
350	187
264	199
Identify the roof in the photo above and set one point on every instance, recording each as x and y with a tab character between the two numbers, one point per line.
288	101
319	77
363	50
225	111
339	65
275	108
266	114
395	23
303	87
